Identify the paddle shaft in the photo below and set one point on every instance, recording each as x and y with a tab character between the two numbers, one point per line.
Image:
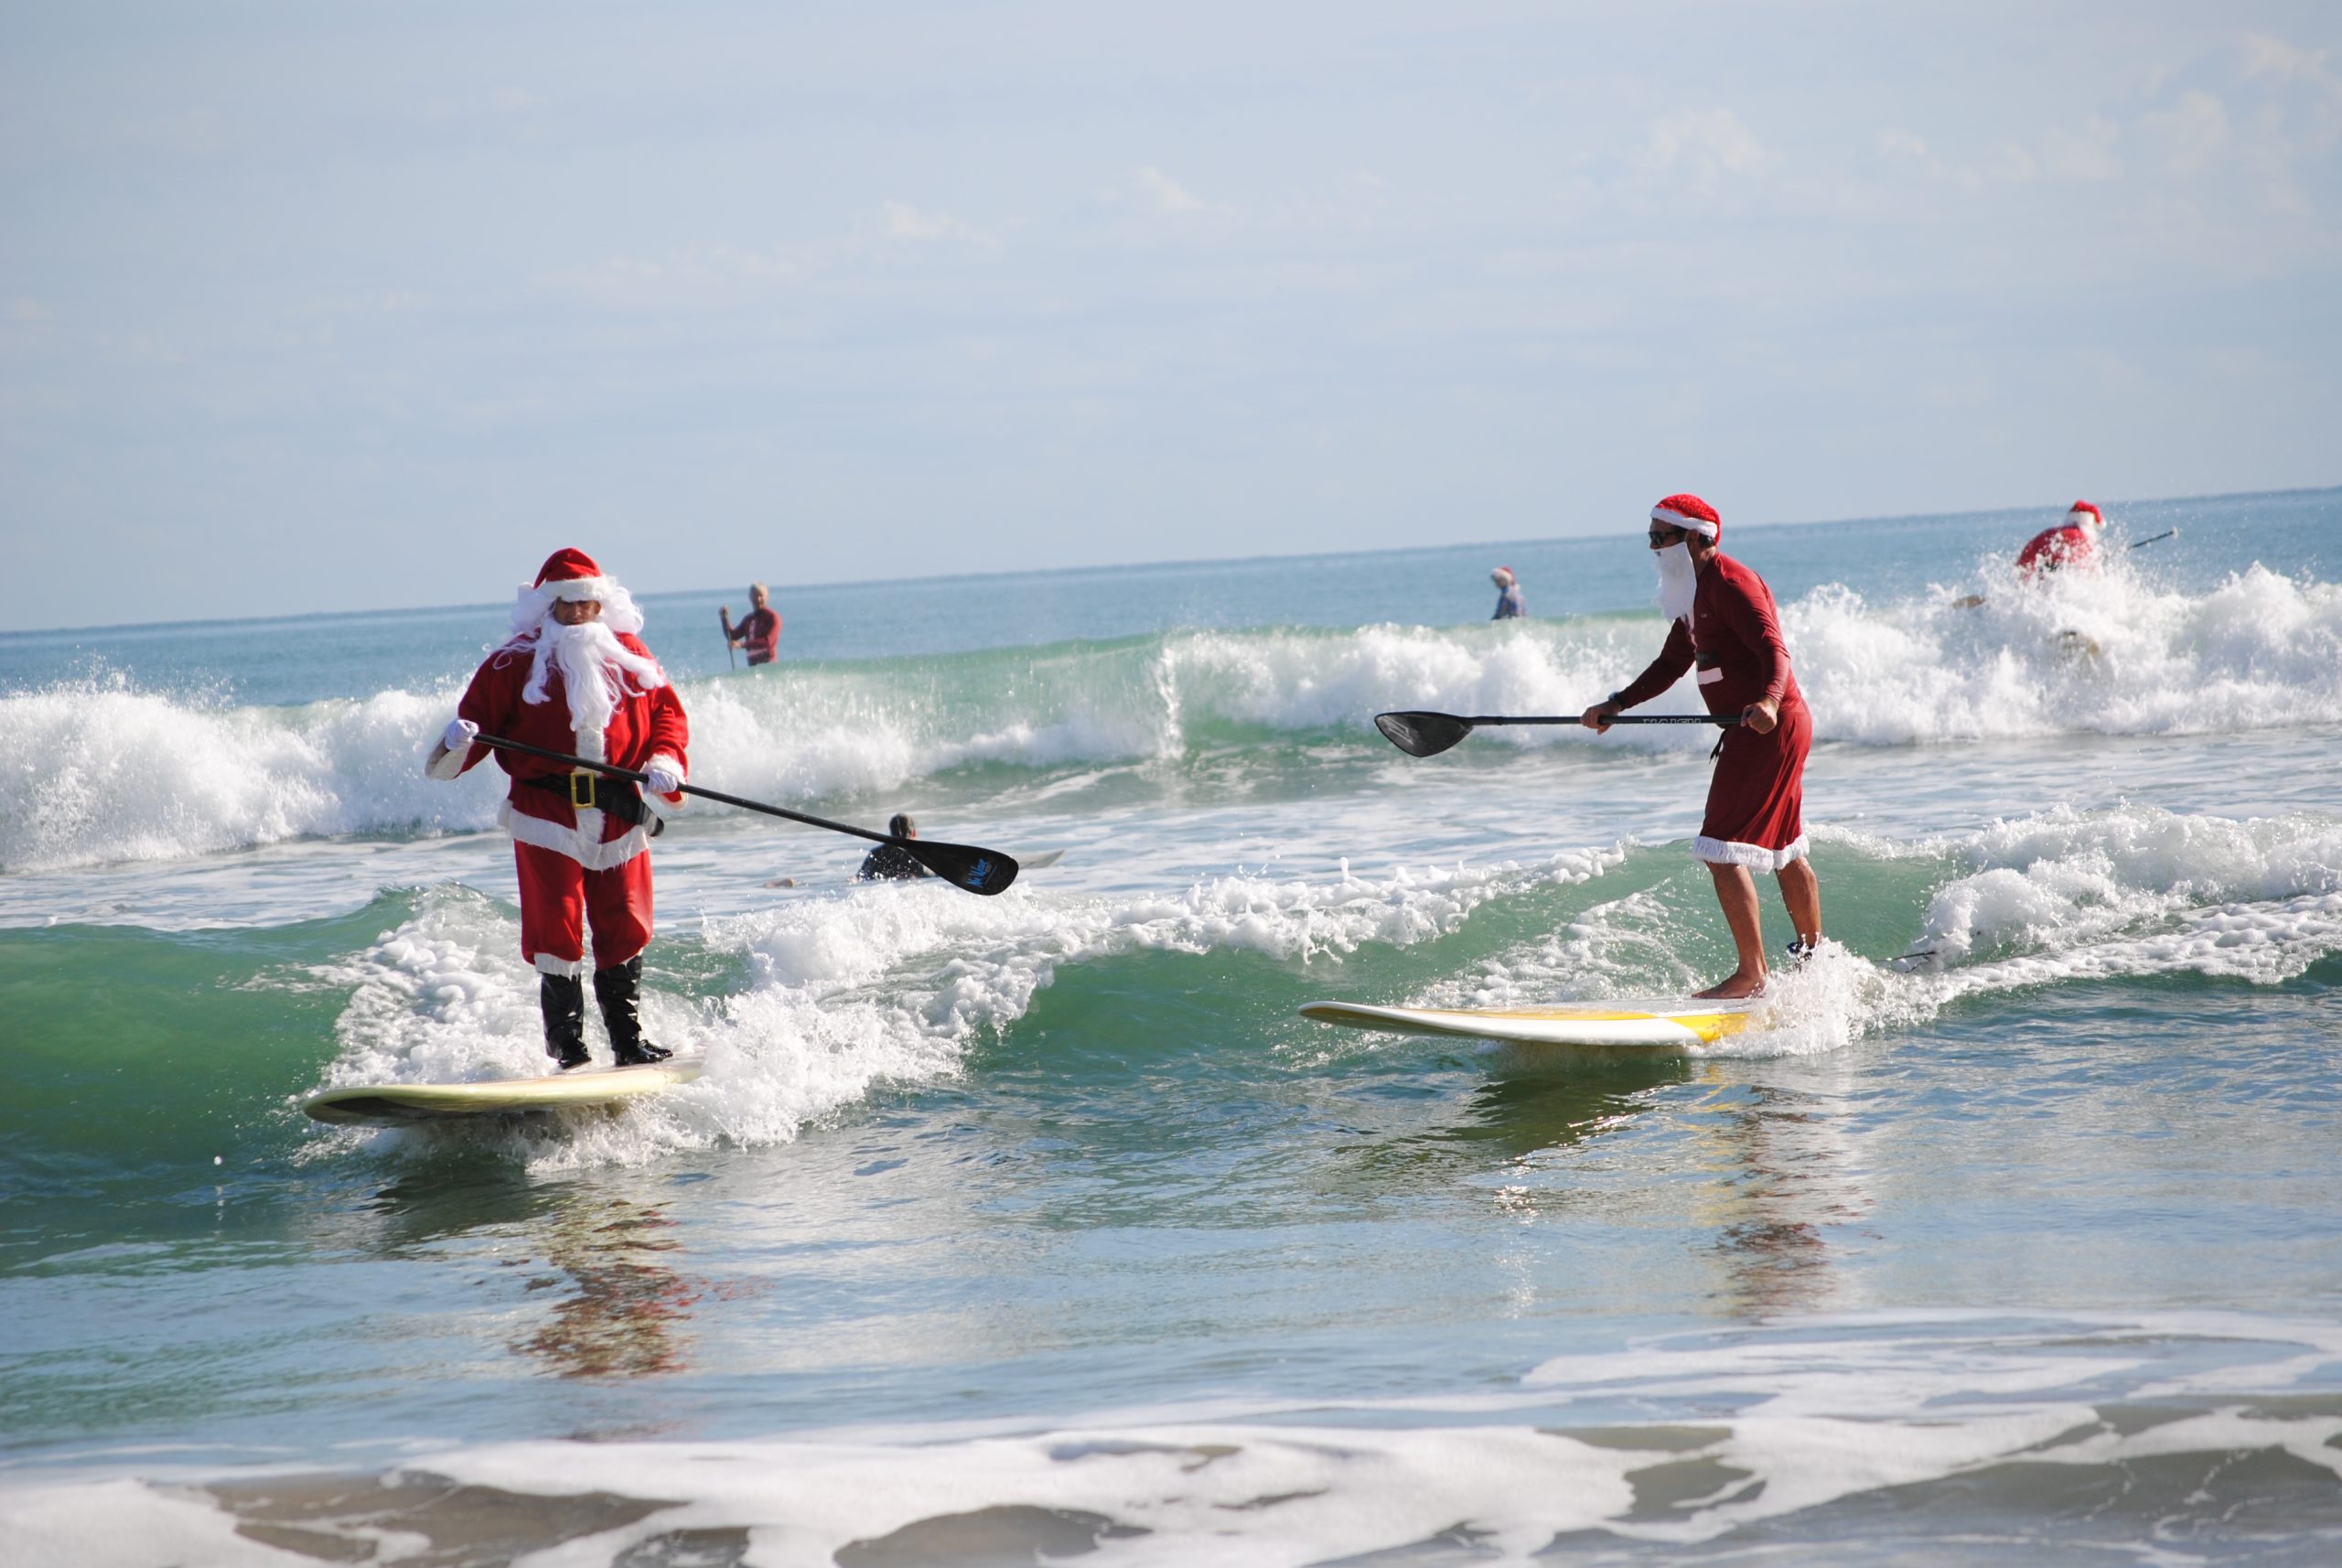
730	658
630	776
1618	719
2166	533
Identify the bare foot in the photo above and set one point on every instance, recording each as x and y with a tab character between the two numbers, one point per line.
1733	987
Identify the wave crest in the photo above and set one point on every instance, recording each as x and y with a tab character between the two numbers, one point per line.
106	773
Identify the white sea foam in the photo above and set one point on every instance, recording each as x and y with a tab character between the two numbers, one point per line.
2107	654
1781	1419
2069	897
879	983
116	774
2065	895
845	990
105	773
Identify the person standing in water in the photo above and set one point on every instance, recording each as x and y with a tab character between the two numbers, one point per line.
2072	543
1508	604
575	678
1721	620
760	629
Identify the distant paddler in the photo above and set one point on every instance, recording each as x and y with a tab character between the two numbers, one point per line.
1510	605
759	631
2071	543
2077	542
575	677
1722	621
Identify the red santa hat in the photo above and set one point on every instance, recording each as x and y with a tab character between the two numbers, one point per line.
2082	514
1503	575
571	574
1688	512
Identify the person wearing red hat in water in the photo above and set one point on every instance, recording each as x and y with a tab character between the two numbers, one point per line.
2073	542
1509	603
575	678
1720	619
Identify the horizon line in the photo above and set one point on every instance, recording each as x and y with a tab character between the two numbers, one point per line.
1159	564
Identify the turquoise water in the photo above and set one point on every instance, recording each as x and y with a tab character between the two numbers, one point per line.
1042	1225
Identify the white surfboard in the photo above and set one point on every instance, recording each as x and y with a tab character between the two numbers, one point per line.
403	1104
1650	1024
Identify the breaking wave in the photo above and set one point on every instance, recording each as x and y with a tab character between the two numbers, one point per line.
104	772
830	994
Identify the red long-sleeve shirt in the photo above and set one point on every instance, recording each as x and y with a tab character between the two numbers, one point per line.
1733	635
759	631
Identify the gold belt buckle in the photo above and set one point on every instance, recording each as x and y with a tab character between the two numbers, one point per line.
581	790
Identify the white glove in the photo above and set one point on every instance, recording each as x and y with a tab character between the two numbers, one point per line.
660	777
460	735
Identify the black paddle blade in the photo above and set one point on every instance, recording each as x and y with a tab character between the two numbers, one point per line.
984	871
1422	734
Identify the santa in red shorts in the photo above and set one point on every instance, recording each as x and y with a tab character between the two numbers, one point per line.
1722	623
576	678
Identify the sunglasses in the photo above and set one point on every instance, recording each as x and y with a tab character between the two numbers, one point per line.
1660	538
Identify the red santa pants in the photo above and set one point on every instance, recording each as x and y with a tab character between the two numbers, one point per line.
1756	797
558	896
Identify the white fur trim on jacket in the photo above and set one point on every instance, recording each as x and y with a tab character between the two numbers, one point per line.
582	843
1755	856
567	968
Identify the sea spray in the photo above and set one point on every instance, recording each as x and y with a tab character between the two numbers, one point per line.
138	776
820	999
836	993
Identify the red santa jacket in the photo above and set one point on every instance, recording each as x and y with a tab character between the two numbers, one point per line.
2069	545
1733	636
645	726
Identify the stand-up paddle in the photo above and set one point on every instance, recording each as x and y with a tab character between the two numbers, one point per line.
1428	735
723	616
2143	543
981	871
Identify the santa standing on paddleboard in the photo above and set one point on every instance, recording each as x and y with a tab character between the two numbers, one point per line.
1721	620
575	678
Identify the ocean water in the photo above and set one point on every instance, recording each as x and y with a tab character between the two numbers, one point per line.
1040	1227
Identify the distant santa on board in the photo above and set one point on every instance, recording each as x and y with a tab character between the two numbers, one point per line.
576	678
2072	543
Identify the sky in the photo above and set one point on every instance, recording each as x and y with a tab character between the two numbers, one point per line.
314	307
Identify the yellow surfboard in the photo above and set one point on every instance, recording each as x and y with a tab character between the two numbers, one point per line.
1652	1023
403	1104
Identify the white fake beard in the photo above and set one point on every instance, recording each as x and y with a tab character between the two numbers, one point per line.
1677	581
593	666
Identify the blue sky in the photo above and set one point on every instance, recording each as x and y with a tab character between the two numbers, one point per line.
307	307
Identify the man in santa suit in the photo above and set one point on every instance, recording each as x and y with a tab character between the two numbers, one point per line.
2073	542
575	678
1720	619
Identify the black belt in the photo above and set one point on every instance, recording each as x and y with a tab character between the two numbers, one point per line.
599	793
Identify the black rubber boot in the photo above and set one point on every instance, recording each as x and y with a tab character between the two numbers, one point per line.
562	999
619	991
